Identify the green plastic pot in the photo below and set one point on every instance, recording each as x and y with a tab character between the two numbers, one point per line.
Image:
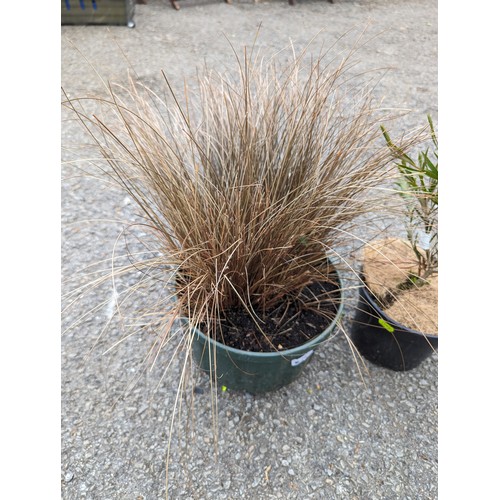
257	372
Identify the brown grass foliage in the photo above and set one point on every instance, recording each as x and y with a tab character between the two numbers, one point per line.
248	181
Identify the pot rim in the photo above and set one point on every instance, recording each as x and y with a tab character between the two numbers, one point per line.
399	326
289	352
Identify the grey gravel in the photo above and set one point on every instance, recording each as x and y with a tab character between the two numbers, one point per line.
329	435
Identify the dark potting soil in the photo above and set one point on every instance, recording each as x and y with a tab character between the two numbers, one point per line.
291	324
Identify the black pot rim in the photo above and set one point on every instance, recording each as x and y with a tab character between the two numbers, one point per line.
373	303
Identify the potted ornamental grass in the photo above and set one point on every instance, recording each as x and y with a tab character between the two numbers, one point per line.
248	188
396	323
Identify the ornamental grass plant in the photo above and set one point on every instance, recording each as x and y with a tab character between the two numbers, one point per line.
244	185
247	183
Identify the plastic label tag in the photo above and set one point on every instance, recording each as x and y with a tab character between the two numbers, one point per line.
298	361
386	325
424	239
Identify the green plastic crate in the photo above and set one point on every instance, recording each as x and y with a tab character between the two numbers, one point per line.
117	12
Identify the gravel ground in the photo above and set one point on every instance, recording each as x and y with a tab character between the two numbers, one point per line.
328	435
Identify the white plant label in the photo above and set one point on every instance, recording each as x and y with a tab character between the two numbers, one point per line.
424	240
298	361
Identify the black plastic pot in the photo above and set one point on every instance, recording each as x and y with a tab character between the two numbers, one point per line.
386	342
256	372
